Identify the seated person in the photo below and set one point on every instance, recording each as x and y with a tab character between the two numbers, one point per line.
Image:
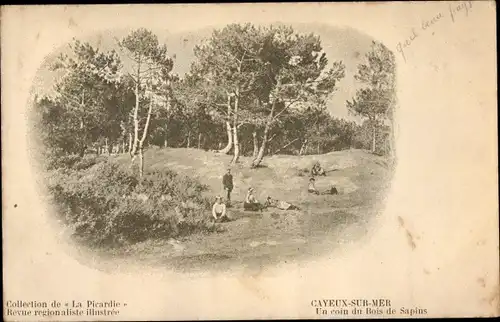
331	191
251	202
283	205
219	210
312	189
317	170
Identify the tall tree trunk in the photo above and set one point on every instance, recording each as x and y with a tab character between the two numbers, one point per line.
143	138
123	146
106	146
303	147
263	146
262	149
136	113
82	151
228	129
130	143
236	143
229	145
169	117
255	145
199	140
374	135
317	148
141	161
165	140
188	139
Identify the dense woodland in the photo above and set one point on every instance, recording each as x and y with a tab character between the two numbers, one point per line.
251	91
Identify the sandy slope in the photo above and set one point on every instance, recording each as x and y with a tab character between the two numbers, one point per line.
256	239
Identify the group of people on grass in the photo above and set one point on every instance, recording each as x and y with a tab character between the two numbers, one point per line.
219	209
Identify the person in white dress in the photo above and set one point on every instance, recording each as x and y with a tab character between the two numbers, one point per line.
219	211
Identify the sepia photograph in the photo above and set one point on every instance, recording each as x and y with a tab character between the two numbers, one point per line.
172	154
244	145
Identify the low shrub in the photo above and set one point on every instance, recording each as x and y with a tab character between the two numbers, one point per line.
106	205
71	162
58	162
86	162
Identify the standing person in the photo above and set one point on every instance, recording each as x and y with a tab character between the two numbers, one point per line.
227	182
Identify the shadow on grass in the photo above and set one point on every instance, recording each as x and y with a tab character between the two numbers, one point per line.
260	166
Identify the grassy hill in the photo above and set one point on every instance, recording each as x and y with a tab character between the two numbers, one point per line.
273	236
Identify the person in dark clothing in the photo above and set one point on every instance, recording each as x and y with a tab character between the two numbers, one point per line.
332	191
317	170
227	182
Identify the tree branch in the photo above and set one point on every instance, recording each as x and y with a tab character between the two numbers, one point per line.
285	109
243	123
151	69
72	100
125	52
132	77
285	146
241	61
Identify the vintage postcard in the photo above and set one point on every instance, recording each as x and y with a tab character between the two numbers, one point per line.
249	161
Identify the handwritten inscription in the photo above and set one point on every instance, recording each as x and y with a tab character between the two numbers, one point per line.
456	10
426	24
